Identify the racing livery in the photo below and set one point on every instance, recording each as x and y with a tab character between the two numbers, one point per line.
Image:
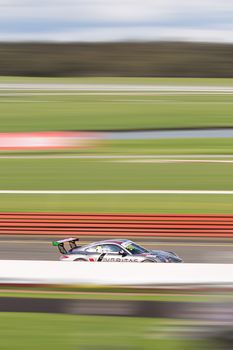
113	250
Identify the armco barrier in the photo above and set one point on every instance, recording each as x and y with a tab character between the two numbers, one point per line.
161	225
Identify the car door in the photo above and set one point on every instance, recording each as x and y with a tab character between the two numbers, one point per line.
111	253
105	252
116	253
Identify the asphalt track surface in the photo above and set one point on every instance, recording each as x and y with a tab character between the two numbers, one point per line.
191	250
169	134
161	134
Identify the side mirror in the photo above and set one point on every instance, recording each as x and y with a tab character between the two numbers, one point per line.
122	252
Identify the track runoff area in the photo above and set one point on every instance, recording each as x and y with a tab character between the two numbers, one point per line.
147	176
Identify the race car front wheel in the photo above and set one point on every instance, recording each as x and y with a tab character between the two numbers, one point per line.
149	261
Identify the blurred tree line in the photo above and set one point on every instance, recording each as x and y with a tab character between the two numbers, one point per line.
158	59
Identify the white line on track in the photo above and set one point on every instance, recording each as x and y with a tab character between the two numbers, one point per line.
25	101
115	87
166	101
132	101
139	157
166	161
138	192
121	93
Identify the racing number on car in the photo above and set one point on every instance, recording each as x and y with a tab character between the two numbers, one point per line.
100	258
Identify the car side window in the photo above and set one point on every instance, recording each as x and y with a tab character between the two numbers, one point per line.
94	249
111	248
104	248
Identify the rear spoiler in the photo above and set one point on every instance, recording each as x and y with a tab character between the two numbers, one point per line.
61	247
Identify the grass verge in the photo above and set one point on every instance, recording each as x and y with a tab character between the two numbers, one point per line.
119	80
49	331
199	204
107	112
99	174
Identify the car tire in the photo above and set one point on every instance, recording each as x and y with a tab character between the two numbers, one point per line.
80	259
149	261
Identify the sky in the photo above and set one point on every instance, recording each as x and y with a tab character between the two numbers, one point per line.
116	20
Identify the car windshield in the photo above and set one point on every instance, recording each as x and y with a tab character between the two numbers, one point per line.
133	248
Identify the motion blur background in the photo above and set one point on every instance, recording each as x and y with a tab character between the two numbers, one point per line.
118	116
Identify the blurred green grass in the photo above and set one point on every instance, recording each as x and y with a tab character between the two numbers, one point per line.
187	146
27	331
38	113
107	112
197	204
76	174
79	174
119	80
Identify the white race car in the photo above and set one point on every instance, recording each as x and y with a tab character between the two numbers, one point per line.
113	250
